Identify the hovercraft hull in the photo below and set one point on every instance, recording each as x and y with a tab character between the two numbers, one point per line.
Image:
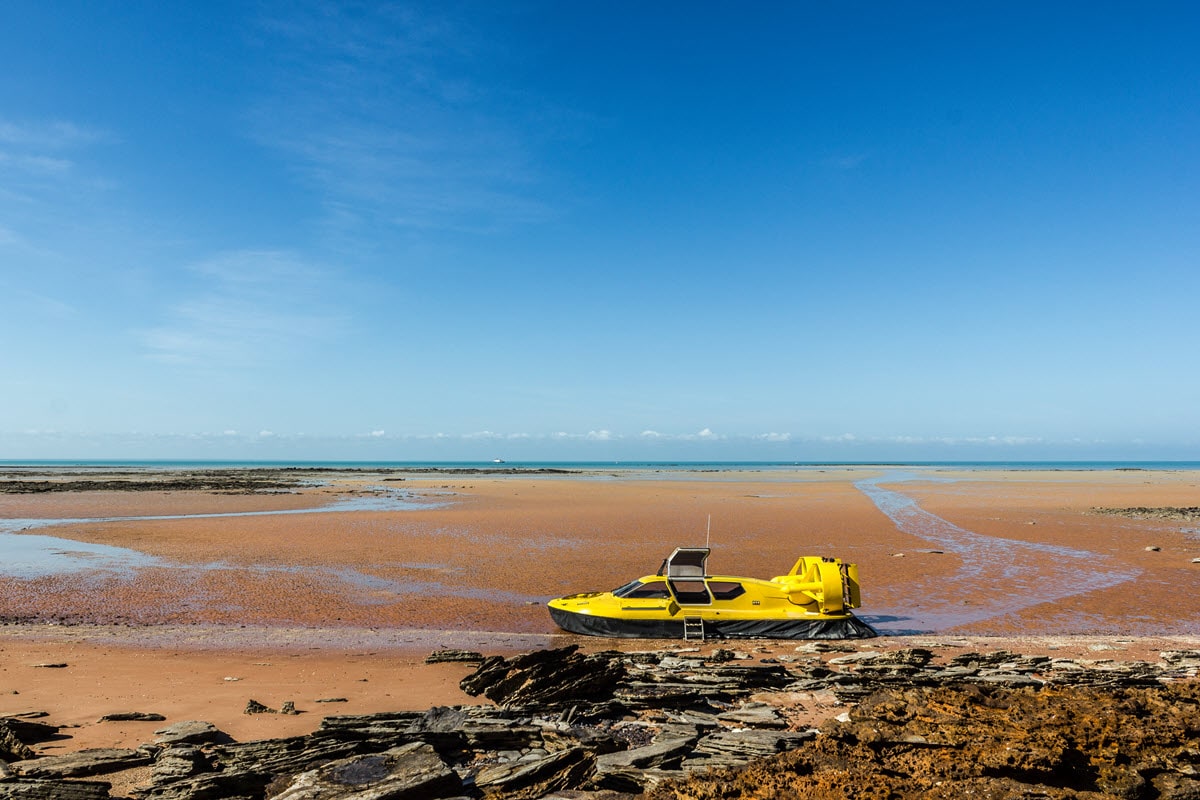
848	627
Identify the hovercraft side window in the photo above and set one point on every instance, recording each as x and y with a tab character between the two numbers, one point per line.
726	590
627	588
650	590
691	593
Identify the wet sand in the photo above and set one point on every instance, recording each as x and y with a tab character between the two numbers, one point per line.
308	606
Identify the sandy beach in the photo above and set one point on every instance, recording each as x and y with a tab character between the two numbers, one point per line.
190	603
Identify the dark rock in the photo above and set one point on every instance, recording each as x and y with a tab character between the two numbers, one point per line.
444	656
208	786
755	715
635	780
11	746
594	739
35	789
412	771
739	747
182	761
271	757
189	732
548	679
133	716
442	718
667	752
83	763
565	769
992	659
17	734
255	707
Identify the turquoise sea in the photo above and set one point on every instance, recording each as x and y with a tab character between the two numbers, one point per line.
697	466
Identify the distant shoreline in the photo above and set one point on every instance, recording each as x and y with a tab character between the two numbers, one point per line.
508	467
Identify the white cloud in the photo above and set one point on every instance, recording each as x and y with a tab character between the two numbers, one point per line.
57	135
247	307
705	434
34	152
481	435
47	188
38	165
380	112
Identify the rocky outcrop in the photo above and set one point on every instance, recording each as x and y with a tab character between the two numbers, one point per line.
446	656
96	761
228	481
409	771
17	735
986	741
681	725
36	789
1185	513
546	679
188	732
133	716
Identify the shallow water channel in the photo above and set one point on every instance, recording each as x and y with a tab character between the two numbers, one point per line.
28	555
997	576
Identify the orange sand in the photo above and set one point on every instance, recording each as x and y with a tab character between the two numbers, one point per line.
306	606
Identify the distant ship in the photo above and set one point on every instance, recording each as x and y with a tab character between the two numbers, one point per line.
497	460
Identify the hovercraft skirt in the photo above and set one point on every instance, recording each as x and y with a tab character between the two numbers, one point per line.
848	627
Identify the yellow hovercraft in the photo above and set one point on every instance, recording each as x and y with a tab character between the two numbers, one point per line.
682	600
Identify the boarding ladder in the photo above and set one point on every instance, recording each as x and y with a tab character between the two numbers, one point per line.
693	628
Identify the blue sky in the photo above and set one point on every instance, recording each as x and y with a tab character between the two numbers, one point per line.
599	230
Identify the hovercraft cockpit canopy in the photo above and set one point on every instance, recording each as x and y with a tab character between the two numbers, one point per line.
685	562
685	572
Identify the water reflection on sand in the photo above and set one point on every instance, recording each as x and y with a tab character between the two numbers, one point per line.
1020	574
37	556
